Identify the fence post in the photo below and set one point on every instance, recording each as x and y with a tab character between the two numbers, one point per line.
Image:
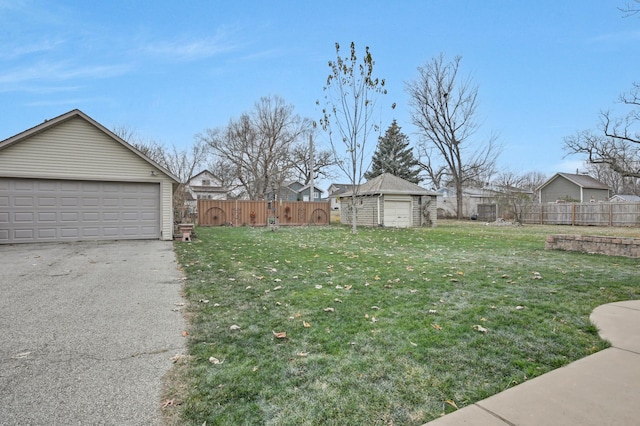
610	214
541	214
573	214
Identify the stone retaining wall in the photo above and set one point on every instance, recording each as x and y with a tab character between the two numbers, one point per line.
612	246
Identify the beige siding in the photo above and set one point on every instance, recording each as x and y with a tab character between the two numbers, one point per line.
75	149
367	212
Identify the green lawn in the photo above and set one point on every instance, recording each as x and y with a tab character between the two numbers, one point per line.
383	327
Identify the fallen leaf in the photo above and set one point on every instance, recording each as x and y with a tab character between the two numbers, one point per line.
306	324
413	344
280	335
302	354
337	300
433	311
413	291
168	402
216	305
339	287
179	304
318	286
377	278
277	288
480	329
375	307
234	327
436	326
451	403
453	280
255	369
483	319
373	319
203	301
178	357
184	333
215	361
329	309
519	307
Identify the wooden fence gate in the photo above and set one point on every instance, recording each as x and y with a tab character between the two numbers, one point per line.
262	213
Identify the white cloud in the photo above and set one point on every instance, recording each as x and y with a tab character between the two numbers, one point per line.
8	52
619	37
189	49
60	71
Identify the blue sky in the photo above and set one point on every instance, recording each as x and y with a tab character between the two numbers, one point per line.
171	69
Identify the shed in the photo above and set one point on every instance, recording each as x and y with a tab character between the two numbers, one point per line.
71	179
390	201
572	187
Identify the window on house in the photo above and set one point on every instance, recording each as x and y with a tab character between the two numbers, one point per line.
206	182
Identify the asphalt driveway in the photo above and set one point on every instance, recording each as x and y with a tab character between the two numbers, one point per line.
87	331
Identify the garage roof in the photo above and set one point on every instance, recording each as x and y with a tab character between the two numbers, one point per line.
387	183
47	124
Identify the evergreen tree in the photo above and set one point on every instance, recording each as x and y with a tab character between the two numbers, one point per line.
394	155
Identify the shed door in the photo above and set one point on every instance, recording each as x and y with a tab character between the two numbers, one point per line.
38	210
397	212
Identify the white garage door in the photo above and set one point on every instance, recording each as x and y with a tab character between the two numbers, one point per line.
397	213
37	210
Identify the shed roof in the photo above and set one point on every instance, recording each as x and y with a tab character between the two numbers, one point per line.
387	183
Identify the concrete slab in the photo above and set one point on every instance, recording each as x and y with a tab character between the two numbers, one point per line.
472	416
619	323
600	389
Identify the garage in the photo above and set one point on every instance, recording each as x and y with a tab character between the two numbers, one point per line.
39	210
397	212
389	201
71	179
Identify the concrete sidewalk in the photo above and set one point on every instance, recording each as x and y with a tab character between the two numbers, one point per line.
601	389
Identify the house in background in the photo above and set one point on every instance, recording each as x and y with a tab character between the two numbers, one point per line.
625	198
295	191
390	201
567	187
205	186
72	179
335	191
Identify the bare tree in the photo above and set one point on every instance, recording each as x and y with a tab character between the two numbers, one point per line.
630	8
322	161
182	163
225	173
350	98
617	143
444	110
259	144
436	173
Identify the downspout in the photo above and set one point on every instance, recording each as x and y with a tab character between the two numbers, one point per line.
379	195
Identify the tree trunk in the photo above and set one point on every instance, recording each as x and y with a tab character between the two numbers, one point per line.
354	228
458	199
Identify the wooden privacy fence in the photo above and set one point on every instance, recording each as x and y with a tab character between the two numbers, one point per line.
262	213
589	214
